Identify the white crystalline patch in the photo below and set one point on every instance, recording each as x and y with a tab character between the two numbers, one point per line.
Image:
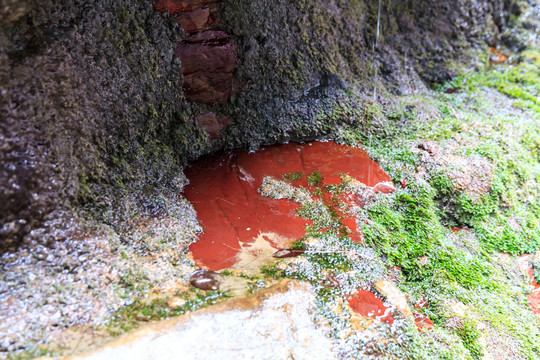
245	176
282	328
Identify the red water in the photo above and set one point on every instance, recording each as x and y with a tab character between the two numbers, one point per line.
223	190
366	304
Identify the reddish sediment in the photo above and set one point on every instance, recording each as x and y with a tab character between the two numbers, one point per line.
423	322
366	304
224	191
534	297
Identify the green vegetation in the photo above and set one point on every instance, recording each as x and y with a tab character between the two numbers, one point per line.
294	176
468	161
314	179
494	126
33	353
469	334
132	316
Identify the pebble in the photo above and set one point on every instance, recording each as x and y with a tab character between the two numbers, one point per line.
285	253
205	280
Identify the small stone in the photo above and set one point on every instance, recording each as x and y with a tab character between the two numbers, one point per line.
205	280
175	302
394	297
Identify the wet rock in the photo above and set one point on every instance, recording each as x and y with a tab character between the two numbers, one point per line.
208	63
472	174
394	297
274	323
175	302
205	280
285	253
12	10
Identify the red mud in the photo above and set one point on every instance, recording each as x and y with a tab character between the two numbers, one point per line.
366	304
224	191
534	297
423	322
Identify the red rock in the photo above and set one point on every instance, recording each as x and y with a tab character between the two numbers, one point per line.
404	183
208	64
195	19
177	6
212	124
497	57
357	235
395	273
208	88
534	300
207	51
366	304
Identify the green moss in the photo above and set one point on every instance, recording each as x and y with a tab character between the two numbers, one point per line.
39	351
139	312
469	334
314	179
272	271
408	232
294	176
409	228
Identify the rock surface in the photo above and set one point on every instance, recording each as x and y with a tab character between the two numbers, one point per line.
104	73
96	125
275	323
394	297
